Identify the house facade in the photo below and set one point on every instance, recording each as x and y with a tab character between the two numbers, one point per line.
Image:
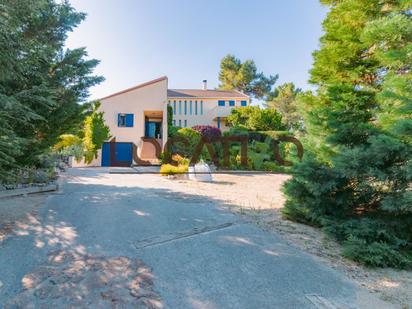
203	106
137	118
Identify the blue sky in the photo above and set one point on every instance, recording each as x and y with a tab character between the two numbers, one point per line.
139	40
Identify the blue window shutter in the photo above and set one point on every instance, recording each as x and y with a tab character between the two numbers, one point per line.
231	103
118	120
221	103
129	120
243	103
218	122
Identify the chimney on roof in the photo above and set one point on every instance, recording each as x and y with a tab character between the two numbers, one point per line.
204	84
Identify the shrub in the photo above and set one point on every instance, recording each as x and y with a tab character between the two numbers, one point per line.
274	167
66	141
168	169
41	176
172	131
375	254
192	137
212	134
180	160
95	133
254	118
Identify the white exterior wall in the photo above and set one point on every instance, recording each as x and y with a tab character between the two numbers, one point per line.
211	110
152	97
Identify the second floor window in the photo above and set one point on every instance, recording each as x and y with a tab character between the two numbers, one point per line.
243	103
185	107
195	107
180	107
201	107
174	107
231	103
190	107
221	103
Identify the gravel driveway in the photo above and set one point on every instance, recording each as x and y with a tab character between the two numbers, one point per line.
144	241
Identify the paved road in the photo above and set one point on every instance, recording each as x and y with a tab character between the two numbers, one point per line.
185	251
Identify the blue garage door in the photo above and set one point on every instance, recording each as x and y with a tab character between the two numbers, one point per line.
123	152
106	154
117	154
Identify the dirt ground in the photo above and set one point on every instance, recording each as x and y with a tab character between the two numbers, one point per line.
258	198
18	210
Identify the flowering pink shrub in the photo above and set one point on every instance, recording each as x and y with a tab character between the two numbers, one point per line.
212	134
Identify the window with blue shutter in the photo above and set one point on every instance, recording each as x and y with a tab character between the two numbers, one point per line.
221	103
185	107
125	120
218	122
190	107
231	103
195	107
174	107
180	107
243	103
201	107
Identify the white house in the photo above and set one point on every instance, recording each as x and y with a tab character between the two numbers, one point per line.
137	117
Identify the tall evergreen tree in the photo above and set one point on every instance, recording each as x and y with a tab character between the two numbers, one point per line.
244	77
41	82
355	180
284	100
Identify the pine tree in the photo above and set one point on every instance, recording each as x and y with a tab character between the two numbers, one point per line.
355	179
244	77
284	100
41	83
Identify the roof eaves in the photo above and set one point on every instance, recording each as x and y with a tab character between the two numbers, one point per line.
154	81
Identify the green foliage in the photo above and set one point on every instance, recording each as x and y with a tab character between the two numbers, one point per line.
168	169
67	140
244	77
169	116
171	129
187	148
284	100
95	133
355	179
253	118
181	168
41	82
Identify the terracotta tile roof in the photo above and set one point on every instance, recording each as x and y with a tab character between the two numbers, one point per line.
137	87
199	93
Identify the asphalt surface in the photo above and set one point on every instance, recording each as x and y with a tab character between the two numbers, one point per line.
200	255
